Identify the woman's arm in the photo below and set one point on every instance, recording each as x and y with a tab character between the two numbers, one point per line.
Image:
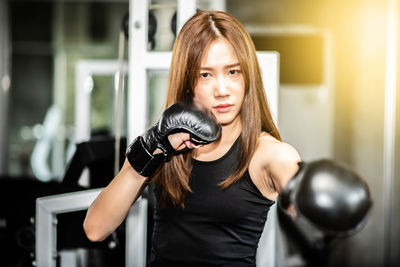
276	162
112	205
283	165
273	164
181	125
304	192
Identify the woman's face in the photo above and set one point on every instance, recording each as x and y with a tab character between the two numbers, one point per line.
220	86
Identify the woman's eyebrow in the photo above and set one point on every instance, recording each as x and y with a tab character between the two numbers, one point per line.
225	67
232	65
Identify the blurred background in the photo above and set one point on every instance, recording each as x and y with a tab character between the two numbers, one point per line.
338	98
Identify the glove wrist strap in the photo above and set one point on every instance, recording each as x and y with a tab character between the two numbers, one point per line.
141	159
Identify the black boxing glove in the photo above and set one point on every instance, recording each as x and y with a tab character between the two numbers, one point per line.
179	117
327	197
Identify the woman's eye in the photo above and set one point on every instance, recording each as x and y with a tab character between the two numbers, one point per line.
205	75
233	72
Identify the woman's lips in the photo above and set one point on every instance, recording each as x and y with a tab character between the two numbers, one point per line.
223	108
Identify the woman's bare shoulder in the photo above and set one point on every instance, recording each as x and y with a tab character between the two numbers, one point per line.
270	146
278	158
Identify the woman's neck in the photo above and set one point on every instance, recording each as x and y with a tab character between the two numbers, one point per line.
231	131
229	134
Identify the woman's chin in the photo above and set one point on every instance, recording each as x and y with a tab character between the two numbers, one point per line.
227	121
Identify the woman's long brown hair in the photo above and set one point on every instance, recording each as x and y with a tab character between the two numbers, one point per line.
197	33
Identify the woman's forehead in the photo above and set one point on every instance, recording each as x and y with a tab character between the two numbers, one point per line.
219	52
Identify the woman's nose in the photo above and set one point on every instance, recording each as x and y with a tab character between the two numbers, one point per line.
221	87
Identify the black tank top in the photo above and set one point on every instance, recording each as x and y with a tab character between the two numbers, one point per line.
217	227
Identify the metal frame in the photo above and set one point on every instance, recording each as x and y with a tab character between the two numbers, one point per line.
4	84
141	60
47	209
84	71
267	248
389	131
269	66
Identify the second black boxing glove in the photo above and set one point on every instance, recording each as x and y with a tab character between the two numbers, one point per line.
330	196
179	117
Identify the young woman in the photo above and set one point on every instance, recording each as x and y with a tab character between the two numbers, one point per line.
211	201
